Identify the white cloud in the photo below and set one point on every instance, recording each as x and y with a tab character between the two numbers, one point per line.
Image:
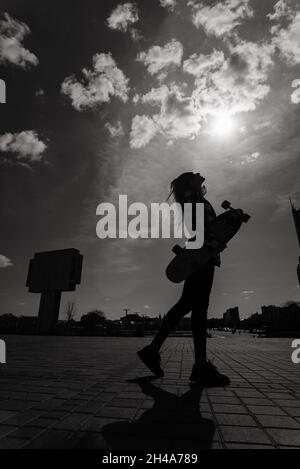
223	84
159	59
26	145
221	18
251	158
287	39
295	97
12	33
234	84
177	117
170	4
98	85
281	10
115	130
40	92
252	58
143	129
5	262
136	98
156	95
153	97
123	16
262	125
200	64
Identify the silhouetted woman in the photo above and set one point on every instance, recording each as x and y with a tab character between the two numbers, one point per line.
188	188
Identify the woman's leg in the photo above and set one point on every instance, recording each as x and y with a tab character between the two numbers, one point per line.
204	372
174	315
199	330
199	312
150	354
195	297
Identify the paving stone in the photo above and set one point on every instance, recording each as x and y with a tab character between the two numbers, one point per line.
23	417
244	435
6	430
14	405
88	440
229	409
120	402
26	432
248	447
278	395
224	400
48	405
4	415
286	437
235	419
248	393
293	411
228	392
54	414
12	443
96	424
52	439
117	412
255	401
72	421
89	407
78	394
268	410
288	403
278	421
43	422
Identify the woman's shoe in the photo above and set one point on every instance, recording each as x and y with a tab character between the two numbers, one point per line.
151	359
208	376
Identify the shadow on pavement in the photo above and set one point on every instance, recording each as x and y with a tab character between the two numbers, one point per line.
172	423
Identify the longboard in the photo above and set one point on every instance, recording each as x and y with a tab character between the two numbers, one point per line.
222	230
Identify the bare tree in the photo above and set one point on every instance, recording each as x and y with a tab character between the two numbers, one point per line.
70	310
91	320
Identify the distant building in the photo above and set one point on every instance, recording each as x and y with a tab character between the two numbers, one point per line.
254	322
27	325
215	323
131	318
231	318
283	319
296	217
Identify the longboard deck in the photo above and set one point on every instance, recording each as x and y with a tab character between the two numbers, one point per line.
222	231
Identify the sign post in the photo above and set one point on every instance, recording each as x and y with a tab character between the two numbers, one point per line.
50	273
296	217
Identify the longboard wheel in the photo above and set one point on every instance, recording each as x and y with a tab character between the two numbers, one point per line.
226	205
246	218
177	249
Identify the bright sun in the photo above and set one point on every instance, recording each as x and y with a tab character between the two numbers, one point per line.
222	125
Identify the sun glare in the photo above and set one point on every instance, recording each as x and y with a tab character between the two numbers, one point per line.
222	125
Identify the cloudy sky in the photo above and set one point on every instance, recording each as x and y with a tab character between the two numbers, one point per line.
107	98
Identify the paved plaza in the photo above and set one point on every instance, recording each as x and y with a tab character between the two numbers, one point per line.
92	392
